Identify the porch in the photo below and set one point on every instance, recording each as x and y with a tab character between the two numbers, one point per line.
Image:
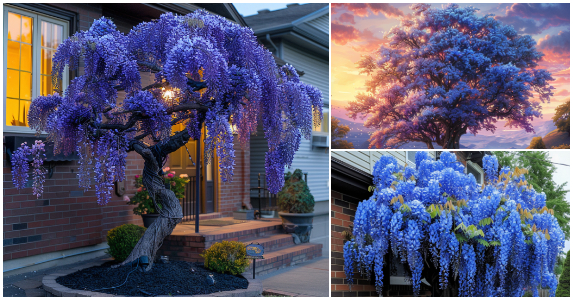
280	249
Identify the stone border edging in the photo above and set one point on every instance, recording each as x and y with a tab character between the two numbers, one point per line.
50	285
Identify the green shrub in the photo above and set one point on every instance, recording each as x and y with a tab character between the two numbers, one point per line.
536	143
226	257
295	197
564	287
122	240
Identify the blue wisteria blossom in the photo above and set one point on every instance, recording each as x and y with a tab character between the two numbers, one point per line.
207	71
445	72
498	239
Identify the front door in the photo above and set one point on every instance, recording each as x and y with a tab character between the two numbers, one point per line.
181	163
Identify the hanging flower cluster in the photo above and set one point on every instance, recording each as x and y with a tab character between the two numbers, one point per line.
495	240
215	73
20	167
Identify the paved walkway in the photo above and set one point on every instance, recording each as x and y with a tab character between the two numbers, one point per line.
30	284
308	279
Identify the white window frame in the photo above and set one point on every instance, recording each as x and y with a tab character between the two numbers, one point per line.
36	58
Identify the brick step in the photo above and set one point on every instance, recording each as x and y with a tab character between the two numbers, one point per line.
185	244
274	242
286	257
244	232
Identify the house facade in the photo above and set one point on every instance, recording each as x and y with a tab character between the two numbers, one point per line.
66	221
299	35
351	175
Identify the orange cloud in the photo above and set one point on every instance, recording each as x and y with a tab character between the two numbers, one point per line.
341	34
364	9
347	18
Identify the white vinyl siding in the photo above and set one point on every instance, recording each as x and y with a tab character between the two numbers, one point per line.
365	160
315	67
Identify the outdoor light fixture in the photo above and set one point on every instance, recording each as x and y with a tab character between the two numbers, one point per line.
168	94
210	280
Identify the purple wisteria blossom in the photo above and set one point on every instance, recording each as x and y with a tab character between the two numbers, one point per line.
207	71
493	240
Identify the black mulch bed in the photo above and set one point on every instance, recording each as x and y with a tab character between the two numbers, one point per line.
174	278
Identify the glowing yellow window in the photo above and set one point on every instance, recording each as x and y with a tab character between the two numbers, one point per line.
31	41
19	69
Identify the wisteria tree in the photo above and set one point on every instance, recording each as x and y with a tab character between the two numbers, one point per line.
498	239
207	70
447	72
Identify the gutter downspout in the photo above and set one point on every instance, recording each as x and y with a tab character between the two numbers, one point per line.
273	44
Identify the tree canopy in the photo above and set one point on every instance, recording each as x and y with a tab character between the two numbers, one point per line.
447	72
204	70
540	176
498	239
338	133
561	118
564	287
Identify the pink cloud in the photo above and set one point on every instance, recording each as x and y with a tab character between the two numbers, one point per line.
562	93
341	34
347	18
364	9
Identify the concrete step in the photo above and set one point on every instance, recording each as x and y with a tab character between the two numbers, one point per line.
274	242
286	257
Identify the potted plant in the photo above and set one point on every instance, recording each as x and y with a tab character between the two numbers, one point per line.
296	205
144	204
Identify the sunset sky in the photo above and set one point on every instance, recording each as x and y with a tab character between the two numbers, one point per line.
358	29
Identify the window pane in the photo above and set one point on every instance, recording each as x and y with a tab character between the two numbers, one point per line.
47	56
25	85
13	55
26	30
58	35
12	106
14	26
26	58
13	84
46	34
46	85
23	117
325	122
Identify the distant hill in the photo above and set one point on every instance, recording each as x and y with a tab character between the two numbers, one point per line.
555	138
359	136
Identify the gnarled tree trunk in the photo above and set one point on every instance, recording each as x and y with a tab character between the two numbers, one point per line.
170	211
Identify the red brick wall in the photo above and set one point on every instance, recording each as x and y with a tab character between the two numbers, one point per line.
233	193
343	209
65	216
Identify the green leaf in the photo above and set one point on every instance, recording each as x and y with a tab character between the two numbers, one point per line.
461	238
459	226
494	243
483	242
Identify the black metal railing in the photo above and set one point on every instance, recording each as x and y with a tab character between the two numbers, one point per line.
261	197
188	201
